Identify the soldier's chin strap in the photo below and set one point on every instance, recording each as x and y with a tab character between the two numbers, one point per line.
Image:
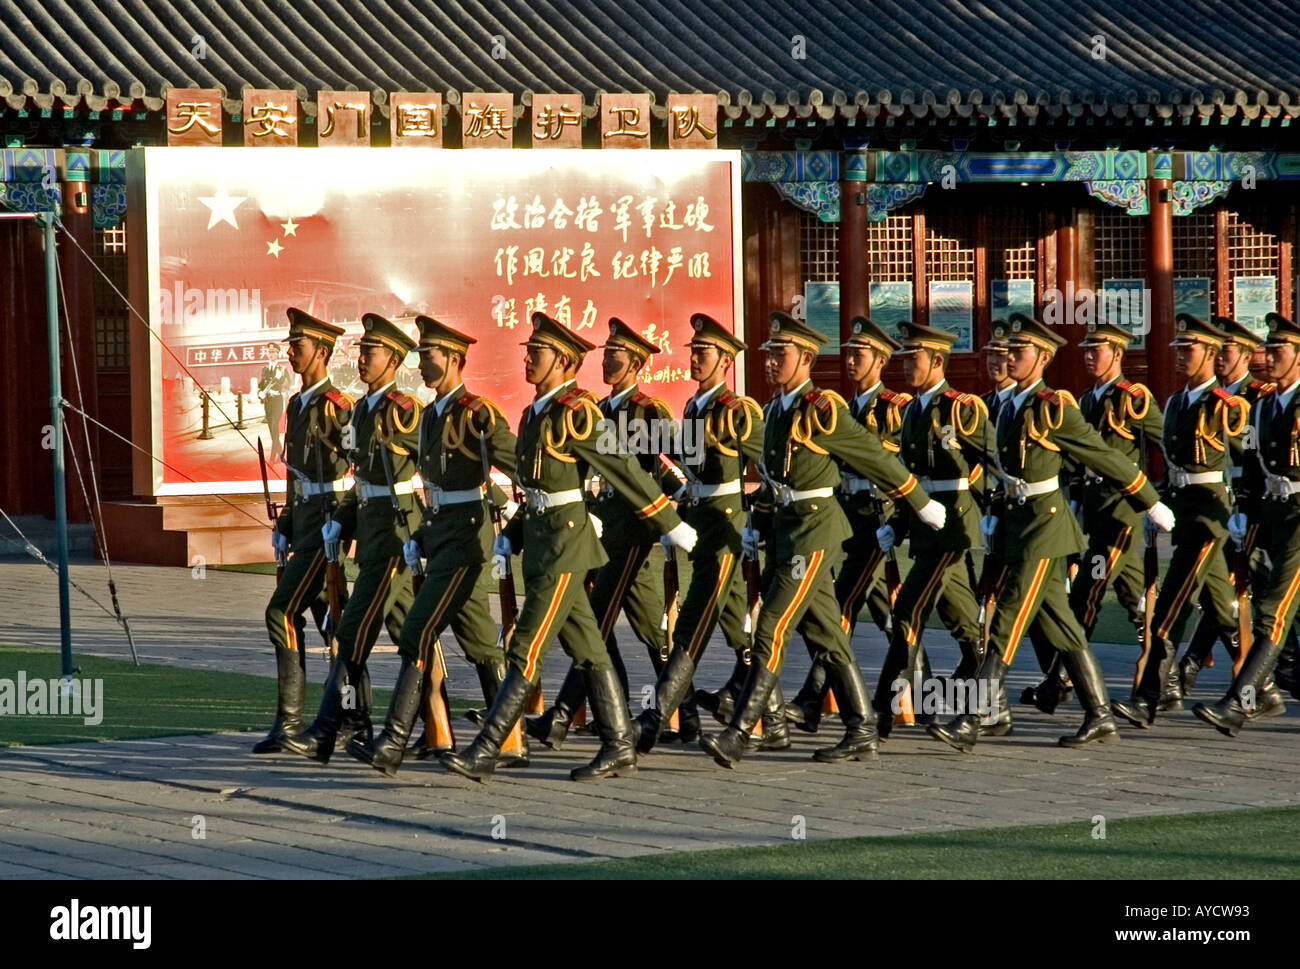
716	365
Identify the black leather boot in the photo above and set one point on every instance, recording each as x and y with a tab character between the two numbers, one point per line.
489	678
356	722
860	740
805	710
688	717
776	732
963	731
317	741
1000	724
1098	724
1140	709
1288	665
479	759
617	755
290	681
385	752
729	746
1229	714
1269	703
1054	690
723	703
673	685
551	727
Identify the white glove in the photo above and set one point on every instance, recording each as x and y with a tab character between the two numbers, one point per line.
749	539
512	506
988	528
598	525
331	532
885	537
933	514
1161	516
411	552
501	546
279	543
1238	525
683	536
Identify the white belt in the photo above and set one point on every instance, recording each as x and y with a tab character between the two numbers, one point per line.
945	484
311	489
369	491
851	484
1020	489
539	500
436	497
698	490
1178	478
786	495
1276	486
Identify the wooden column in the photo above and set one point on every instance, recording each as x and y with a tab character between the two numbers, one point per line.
1160	284
920	277
1286	265
1222	284
853	266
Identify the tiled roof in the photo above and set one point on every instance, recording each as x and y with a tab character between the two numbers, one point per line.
944	58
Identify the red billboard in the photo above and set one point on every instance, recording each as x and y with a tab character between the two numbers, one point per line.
476	239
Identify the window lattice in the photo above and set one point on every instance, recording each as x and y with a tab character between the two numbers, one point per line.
819	249
1252	248
889	249
1194	248
949	247
1013	244
112	323
1119	245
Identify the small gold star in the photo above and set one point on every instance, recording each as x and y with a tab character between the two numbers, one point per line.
273	248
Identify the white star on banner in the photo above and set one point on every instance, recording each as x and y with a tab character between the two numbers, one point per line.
222	206
290	228
273	248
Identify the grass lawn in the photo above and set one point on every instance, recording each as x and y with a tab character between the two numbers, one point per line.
154	700
1252	843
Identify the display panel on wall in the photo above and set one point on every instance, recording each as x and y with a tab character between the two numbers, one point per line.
477	240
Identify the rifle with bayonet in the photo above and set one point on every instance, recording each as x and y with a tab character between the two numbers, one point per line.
1150	570
333	574
672	580
271	512
749	566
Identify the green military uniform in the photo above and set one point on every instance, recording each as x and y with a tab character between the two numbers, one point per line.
1039	429
942	441
317	415
1198	425
384	422
1207	631
806	432
859	579
459	434
633	423
1274	475
559	441
723	429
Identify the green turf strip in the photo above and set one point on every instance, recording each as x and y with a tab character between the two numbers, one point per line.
154	700
1251	843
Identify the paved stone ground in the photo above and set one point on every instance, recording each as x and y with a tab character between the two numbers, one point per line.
127	809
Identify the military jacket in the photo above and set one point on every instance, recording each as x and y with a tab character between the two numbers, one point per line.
556	450
1124	416
642	426
804	449
867	509
391	427
944	441
1243	493
1032	444
450	457
316	426
1275	456
1197	438
713	446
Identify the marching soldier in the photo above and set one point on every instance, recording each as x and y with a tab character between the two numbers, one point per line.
1037	430
1276	477
1128	419
626	581
805	431
860	578
317	416
942	440
460	435
722	429
382	440
558	440
1233	368
1199	423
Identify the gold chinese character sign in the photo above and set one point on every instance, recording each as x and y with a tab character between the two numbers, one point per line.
487	120
193	117
692	121
557	121
416	119
625	121
342	118
270	118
